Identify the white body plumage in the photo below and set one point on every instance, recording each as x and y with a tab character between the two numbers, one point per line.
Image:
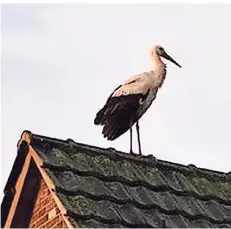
141	84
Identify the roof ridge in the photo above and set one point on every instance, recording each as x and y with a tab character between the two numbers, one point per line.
141	206
148	160
136	183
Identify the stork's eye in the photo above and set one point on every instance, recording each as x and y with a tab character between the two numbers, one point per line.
161	49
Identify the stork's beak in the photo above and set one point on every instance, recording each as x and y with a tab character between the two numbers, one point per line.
167	57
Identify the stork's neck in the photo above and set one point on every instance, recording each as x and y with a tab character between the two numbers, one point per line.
158	63
159	70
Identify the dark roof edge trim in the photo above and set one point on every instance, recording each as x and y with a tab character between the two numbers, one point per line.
149	160
9	189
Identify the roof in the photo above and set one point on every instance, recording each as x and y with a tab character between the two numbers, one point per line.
106	188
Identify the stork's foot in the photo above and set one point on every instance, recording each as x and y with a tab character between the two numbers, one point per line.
135	154
139	155
132	153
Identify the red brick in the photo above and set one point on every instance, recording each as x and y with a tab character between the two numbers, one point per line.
42	220
44	193
39	214
52	222
57	210
43	205
61	224
50	206
58	225
64	224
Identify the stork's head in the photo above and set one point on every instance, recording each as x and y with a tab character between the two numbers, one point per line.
159	50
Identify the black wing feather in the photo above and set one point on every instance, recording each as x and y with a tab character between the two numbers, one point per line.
99	116
119	114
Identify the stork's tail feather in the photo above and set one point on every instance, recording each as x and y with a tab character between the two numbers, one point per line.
99	117
115	127
111	132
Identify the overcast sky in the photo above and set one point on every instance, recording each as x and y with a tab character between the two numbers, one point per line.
61	62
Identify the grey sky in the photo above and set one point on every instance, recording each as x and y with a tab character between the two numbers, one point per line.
61	62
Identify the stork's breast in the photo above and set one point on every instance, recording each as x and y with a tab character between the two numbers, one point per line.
145	104
153	92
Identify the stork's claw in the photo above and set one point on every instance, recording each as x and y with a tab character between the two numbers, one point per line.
132	153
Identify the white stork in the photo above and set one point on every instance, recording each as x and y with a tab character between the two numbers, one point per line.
129	101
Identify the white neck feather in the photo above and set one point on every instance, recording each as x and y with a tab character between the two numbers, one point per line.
158	63
159	70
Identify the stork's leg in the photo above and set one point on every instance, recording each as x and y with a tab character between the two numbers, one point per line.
131	151
138	136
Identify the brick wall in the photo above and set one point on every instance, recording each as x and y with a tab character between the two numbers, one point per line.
45	212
